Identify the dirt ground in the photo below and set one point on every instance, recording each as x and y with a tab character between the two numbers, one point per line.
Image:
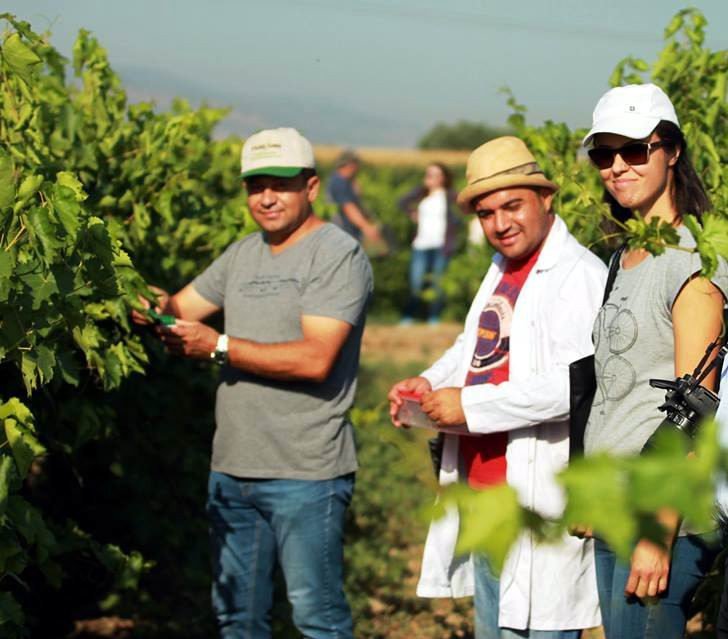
401	344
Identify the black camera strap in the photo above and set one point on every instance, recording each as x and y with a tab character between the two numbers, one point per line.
613	269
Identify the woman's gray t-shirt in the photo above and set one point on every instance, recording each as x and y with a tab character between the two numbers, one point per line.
285	429
634	342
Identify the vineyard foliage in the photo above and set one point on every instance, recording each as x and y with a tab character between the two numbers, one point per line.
105	441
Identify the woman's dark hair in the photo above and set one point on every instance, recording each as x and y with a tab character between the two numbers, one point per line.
446	174
688	192
412	199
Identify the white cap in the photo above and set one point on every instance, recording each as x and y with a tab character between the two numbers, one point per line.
281	152
633	111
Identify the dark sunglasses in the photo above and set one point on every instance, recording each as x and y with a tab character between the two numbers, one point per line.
632	153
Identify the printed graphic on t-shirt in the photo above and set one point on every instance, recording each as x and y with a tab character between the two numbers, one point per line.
615	374
494	332
269	285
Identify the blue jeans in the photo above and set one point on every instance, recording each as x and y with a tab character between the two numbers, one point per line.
255	523
629	618
487	603
425	262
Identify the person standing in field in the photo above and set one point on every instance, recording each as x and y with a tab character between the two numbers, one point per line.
294	297
343	191
431	208
656	323
506	378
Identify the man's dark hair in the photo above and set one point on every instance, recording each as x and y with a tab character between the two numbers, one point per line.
688	192
307	174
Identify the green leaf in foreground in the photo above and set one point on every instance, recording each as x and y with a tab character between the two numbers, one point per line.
598	497
711	239
490	520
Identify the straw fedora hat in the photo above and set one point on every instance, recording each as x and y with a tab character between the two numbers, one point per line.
499	164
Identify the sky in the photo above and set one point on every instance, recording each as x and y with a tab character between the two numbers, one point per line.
369	72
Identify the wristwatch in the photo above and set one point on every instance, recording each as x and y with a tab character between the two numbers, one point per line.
220	354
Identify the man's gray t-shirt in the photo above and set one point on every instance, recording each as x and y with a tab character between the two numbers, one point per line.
287	429
633	341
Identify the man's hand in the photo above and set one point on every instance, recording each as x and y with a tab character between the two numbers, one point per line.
650	569
412	385
161	304
444	406
189	339
371	232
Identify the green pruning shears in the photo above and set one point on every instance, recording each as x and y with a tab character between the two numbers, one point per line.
162	320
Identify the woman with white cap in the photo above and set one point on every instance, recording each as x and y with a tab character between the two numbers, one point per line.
657	322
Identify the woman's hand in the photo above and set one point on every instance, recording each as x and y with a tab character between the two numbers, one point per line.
582	532
650	570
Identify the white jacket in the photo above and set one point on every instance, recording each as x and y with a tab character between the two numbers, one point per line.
542	587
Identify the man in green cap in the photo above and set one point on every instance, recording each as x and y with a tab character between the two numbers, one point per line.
294	297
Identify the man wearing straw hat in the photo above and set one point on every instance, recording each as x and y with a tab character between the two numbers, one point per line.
506	379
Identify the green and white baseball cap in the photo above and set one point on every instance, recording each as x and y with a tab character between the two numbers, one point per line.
280	152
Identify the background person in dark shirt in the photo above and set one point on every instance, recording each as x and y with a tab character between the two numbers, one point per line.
351	217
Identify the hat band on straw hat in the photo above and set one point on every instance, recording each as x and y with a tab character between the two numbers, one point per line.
529	168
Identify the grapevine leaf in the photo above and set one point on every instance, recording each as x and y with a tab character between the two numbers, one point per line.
6	264
19	57
7	181
11	614
69	369
44	231
28	187
6	470
68	210
598	496
23	444
42	286
46	363
12	557
31	526
113	369
491	521
17	409
70	181
711	239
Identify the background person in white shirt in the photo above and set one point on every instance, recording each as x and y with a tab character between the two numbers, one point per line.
430	206
506	378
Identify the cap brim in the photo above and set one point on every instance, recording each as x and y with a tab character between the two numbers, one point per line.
275	171
471	191
635	127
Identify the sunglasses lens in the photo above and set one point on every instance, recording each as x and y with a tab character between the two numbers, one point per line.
601	157
637	153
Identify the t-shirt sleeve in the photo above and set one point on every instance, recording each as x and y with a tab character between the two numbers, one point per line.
342	192
340	285
212	281
682	266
